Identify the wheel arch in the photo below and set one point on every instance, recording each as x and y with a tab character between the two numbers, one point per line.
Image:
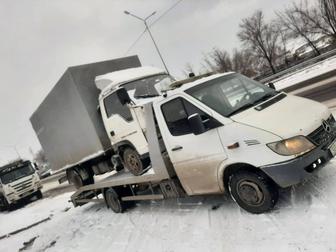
230	169
122	146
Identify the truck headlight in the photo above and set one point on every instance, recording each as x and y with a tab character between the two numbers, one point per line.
297	145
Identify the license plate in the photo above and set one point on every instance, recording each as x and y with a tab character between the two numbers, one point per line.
332	148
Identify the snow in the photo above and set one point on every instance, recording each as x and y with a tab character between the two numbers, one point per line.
107	81
306	73
304	220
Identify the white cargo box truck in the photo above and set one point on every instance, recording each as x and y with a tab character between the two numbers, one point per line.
70	128
222	133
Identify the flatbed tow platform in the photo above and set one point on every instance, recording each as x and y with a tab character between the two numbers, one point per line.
156	183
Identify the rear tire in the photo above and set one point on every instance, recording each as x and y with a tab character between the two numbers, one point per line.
76	179
133	162
113	201
253	191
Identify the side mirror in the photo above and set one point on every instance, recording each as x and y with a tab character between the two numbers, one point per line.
271	85
123	96
196	124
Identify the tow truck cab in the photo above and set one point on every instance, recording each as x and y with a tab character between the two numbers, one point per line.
223	132
18	180
227	131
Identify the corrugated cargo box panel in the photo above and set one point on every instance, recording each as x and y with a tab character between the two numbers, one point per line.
67	122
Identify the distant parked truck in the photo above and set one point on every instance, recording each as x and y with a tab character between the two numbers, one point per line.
70	126
18	180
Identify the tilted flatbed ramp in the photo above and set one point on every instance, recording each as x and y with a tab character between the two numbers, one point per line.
160	169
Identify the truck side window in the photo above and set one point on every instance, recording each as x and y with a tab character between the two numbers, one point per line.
113	107
176	113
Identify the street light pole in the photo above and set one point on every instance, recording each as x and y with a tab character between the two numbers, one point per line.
144	20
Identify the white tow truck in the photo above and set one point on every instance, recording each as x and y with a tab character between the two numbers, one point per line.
18	180
222	133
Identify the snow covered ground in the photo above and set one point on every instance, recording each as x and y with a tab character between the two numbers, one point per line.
304	220
306	73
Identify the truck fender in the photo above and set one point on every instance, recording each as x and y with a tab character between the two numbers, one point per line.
118	147
226	170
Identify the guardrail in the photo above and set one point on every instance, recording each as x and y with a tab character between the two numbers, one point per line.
299	66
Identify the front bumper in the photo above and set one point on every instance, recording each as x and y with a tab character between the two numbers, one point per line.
297	170
15	197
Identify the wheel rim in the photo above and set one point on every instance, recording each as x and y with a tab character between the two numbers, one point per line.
133	163
250	193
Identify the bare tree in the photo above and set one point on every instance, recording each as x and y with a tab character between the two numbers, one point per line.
298	24
259	37
328	15
321	18
222	60
244	62
208	65
284	37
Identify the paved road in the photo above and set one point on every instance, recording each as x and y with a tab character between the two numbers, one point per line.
321	88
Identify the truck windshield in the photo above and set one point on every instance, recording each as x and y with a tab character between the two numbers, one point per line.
17	173
231	94
149	86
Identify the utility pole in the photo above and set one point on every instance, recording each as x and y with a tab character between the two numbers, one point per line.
144	20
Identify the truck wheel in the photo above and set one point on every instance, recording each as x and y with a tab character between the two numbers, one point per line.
39	194
113	201
4	206
253	191
133	161
76	179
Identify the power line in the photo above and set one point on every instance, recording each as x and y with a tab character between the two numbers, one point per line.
135	42
154	22
164	13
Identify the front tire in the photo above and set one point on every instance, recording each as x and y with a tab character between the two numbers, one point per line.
133	162
39	194
4	206
253	191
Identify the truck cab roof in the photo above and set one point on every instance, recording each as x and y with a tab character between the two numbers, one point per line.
110	81
14	165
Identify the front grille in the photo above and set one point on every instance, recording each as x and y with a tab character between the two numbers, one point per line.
321	137
23	185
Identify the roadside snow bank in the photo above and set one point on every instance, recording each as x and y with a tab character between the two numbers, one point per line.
306	73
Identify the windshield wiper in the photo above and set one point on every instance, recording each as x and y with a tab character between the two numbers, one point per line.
146	96
266	97
251	104
245	106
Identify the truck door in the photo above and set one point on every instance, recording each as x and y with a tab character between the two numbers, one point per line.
196	158
121	125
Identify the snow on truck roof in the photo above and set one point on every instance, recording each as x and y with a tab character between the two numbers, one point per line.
110	80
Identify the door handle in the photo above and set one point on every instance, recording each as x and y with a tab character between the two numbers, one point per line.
176	148
112	133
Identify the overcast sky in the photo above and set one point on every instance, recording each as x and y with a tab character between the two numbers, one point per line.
41	38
